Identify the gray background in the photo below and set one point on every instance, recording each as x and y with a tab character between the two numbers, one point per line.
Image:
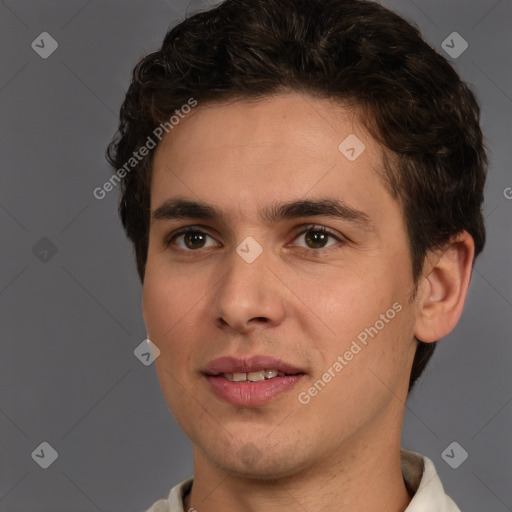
71	320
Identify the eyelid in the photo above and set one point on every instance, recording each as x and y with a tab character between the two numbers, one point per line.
317	227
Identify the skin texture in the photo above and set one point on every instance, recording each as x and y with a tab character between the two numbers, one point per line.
299	302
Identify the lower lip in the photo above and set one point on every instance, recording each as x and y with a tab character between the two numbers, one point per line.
248	394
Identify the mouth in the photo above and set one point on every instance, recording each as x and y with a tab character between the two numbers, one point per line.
256	376
252	381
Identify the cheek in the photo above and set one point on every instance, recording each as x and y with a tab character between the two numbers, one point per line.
168	318
370	375
155	304
349	302
163	310
173	309
365	315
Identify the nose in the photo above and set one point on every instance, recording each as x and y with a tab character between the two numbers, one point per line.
249	295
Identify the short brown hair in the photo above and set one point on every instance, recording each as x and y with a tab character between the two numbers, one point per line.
410	99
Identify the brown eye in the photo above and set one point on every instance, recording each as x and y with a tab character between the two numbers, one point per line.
191	240
317	238
194	239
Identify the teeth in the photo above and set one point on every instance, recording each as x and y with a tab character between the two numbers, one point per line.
253	376
256	376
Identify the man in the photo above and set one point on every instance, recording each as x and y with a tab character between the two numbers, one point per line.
304	196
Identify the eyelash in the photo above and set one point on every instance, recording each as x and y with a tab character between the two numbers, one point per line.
309	228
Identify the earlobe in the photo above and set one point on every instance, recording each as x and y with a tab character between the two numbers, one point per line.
442	290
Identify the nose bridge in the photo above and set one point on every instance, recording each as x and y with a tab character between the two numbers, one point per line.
249	291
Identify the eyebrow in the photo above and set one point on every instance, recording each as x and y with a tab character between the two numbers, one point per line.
179	208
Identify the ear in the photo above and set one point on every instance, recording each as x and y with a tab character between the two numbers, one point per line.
442	289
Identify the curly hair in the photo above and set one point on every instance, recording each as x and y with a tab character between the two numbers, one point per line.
353	52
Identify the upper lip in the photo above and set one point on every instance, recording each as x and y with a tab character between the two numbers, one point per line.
230	364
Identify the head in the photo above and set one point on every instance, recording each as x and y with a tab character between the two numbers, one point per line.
273	85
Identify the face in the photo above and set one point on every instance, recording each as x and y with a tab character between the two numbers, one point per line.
286	253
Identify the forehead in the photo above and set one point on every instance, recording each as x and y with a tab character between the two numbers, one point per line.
284	147
299	122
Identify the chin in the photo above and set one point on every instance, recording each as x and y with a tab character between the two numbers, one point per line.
255	458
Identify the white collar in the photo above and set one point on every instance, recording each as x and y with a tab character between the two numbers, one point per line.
421	479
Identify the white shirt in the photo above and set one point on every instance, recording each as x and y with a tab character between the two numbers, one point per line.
419	474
